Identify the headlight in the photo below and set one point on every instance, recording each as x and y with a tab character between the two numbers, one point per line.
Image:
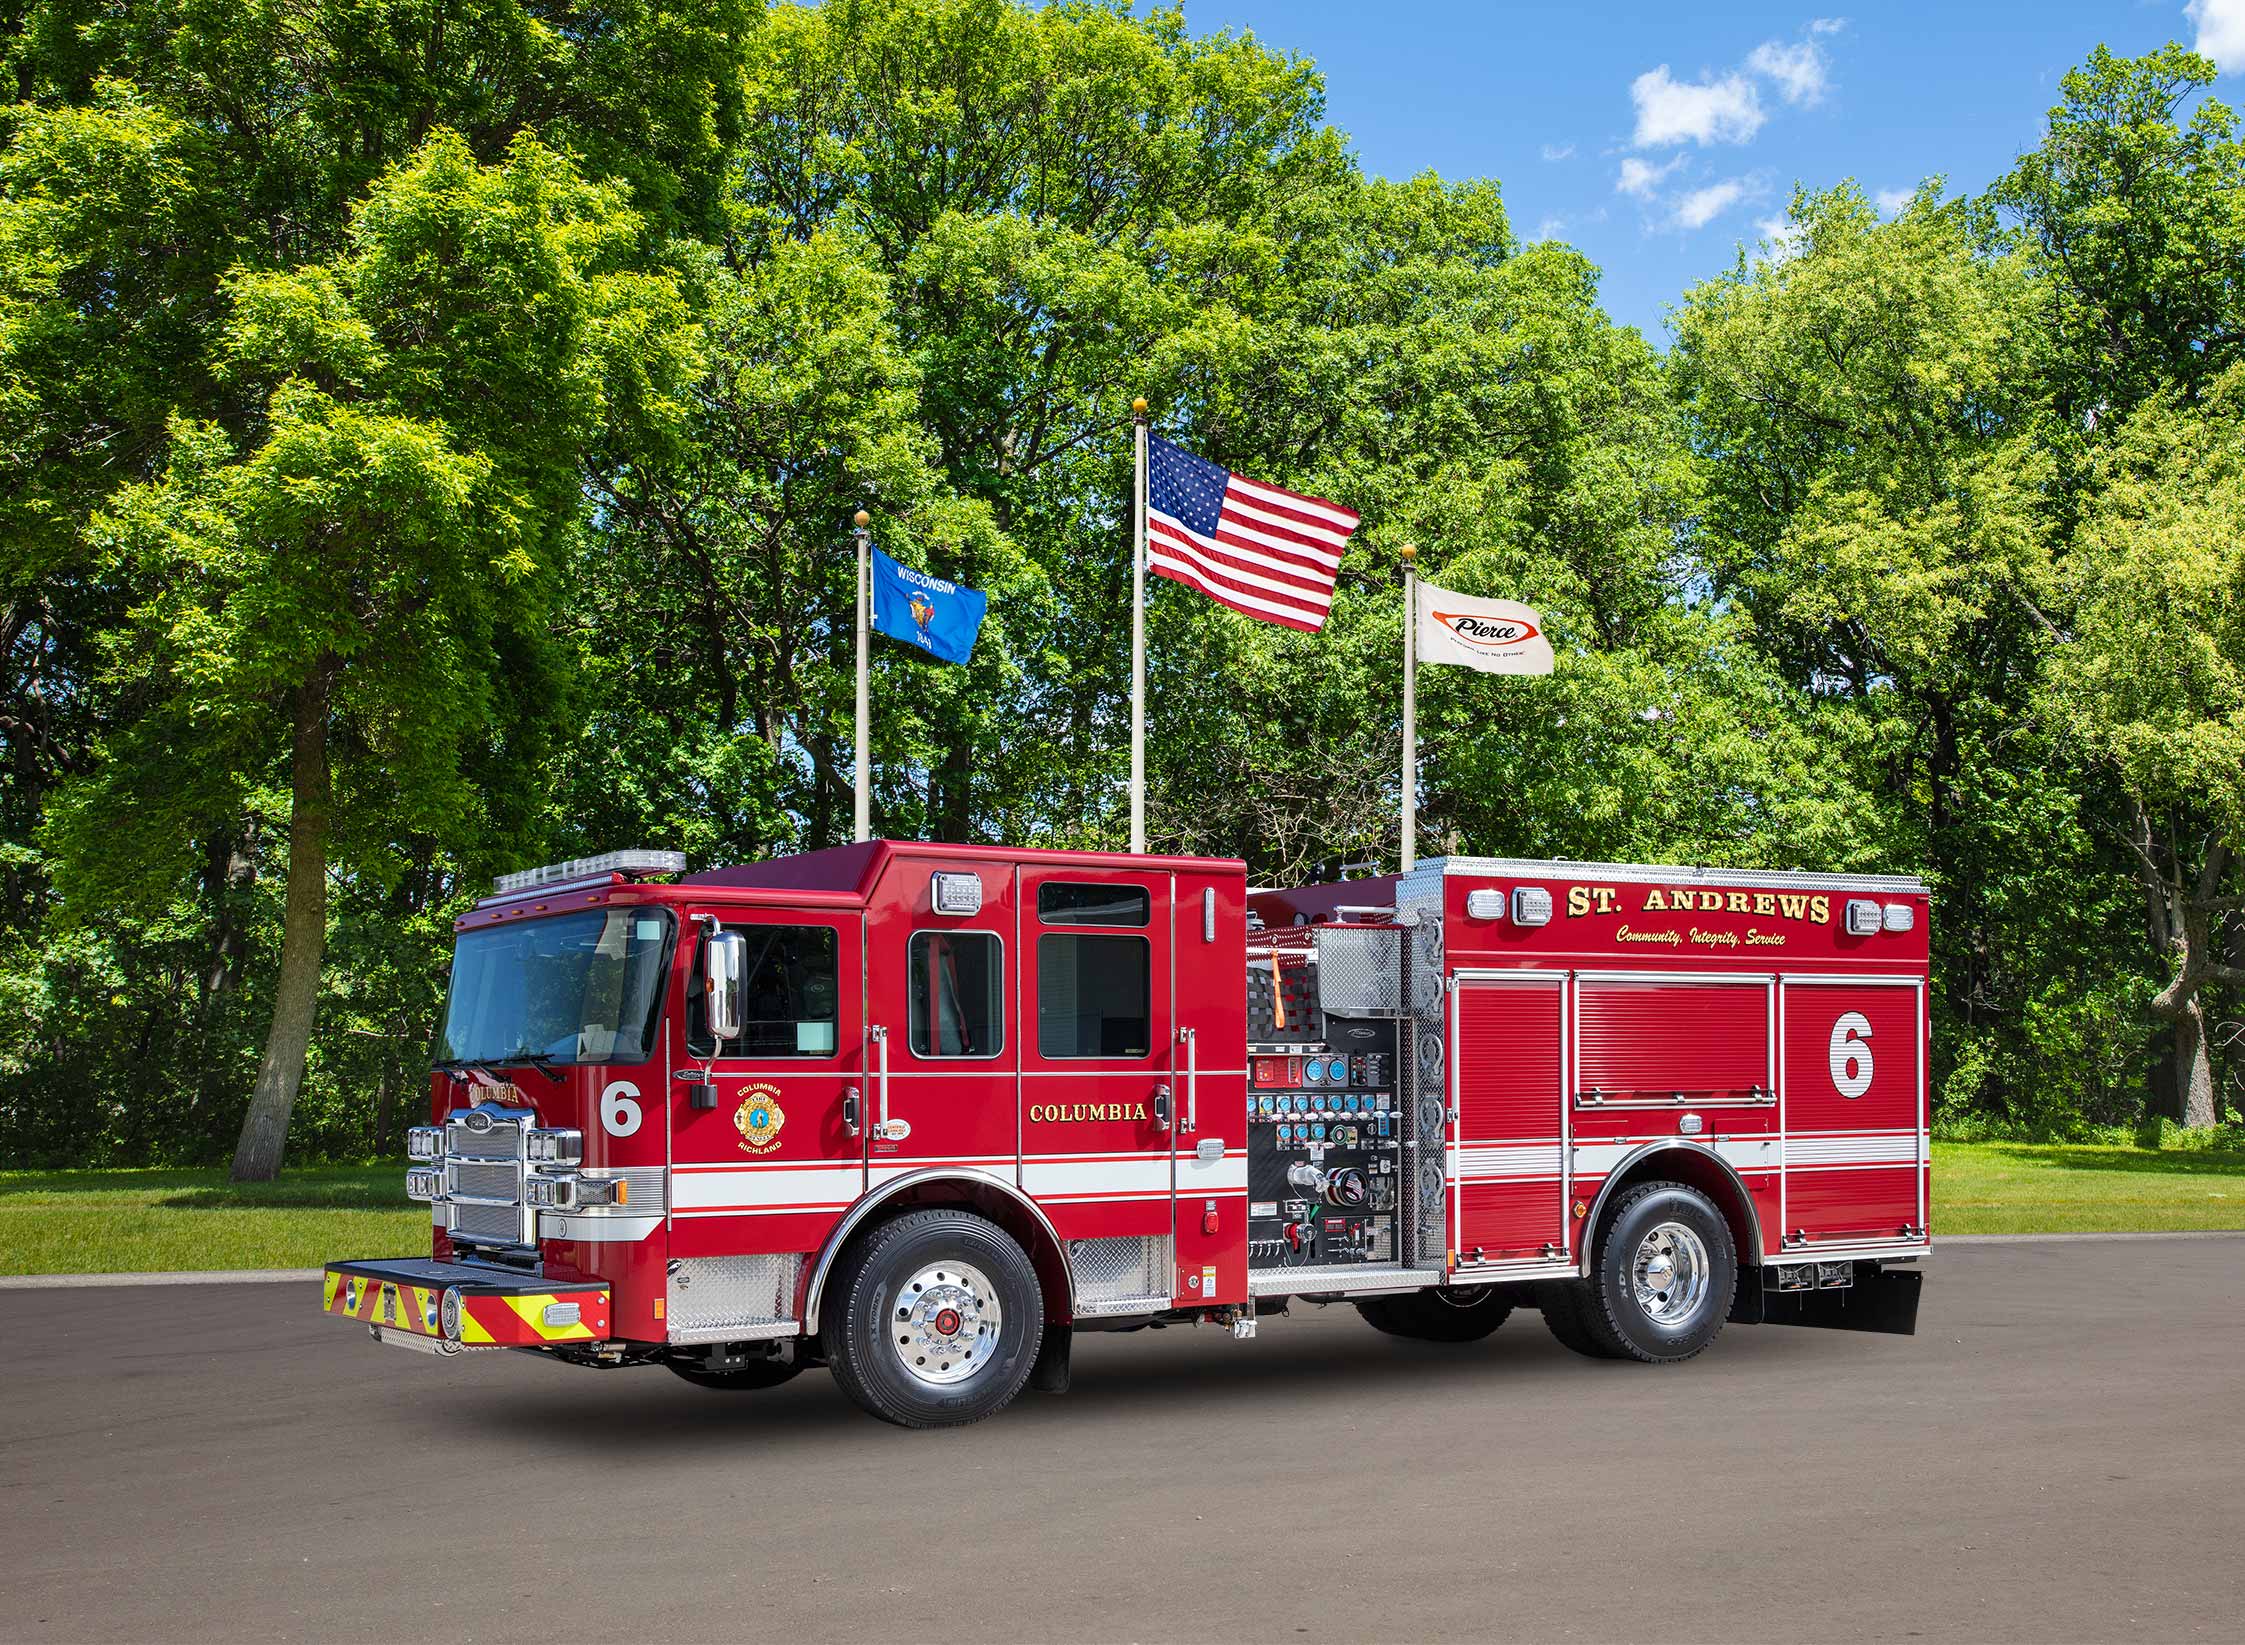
425	1142
558	1147
424	1185
551	1193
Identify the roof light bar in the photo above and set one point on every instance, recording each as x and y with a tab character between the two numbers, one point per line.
635	864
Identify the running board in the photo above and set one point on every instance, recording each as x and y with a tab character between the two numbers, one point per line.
1297	1282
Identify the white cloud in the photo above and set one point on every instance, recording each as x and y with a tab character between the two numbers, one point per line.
1826	25
1890	201
1641	177
1784	237
1698	207
1559	151
2221	32
1552	228
1670	111
1797	69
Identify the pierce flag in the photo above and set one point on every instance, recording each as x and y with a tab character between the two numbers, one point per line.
1494	636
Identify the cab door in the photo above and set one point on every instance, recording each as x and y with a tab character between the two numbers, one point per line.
940	1030
770	1151
1101	1112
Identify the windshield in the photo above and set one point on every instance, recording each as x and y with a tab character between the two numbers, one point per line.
575	988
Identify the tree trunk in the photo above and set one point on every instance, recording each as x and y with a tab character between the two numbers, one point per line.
257	1158
2194	1067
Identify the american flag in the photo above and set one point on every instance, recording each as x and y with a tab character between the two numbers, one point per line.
1257	548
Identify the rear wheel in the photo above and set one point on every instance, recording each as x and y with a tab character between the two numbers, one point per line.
1455	1313
934	1320
1562	1305
1662	1277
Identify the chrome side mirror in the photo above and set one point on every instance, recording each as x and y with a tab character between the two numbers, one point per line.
725	983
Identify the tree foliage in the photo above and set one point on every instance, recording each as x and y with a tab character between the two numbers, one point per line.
428	434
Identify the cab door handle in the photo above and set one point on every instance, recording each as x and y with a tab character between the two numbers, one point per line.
1161	1107
850	1121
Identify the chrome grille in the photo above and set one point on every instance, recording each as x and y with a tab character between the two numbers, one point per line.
489	1224
485	1179
501	1141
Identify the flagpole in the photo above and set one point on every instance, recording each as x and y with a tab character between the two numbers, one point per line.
1410	707
864	780
1138	633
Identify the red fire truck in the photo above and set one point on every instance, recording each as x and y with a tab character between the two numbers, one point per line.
919	1113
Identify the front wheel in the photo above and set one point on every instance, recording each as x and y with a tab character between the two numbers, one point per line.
936	1320
1662	1277
1453	1313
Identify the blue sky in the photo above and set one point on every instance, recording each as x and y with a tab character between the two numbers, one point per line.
1656	138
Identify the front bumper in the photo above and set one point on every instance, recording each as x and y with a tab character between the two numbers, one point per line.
463	1306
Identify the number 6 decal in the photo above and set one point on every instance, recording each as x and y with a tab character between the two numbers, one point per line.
1851	1054
619	1111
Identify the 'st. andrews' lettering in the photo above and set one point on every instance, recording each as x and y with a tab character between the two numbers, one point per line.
1603	899
1060	1112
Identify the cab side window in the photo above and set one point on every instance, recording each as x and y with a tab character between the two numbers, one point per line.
1094	996
793	995
957	995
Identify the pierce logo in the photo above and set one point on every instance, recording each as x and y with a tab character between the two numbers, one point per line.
1488	633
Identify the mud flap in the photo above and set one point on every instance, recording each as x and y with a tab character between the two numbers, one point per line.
1051	1372
1881	1299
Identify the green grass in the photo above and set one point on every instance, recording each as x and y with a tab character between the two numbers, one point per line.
94	1222
91	1222
2052	1188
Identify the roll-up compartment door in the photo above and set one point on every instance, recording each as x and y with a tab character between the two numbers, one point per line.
1657	1040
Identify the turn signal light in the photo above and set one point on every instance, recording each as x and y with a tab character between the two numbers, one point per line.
424	1142
424	1185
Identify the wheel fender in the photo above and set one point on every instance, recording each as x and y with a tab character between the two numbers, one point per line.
1746	1224
919	1188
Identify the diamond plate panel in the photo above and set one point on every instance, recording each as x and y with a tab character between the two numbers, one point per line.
716	1294
1360	970
1132	1265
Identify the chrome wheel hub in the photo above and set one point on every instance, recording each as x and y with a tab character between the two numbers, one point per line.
944	1323
1669	1274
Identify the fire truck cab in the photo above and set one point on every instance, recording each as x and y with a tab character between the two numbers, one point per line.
920	1112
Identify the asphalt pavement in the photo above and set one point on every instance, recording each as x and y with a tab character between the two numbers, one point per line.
2056	1456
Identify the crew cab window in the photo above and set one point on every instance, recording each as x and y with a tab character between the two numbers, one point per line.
1065	902
1094	996
792	995
957	994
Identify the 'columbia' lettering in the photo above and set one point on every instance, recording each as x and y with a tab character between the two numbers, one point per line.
1061	1113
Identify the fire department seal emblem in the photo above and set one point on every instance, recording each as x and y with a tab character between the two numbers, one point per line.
758	1119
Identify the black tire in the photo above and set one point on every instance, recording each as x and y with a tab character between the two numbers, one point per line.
1457	1313
886	1328
1610	1309
1562	1303
758	1373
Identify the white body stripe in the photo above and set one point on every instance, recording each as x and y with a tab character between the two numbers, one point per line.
1813	1148
1478	1163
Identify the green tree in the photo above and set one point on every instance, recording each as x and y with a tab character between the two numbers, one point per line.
2152	680
2133	224
352	575
1871	429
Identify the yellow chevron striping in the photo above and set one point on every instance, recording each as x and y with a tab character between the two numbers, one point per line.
532	1311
